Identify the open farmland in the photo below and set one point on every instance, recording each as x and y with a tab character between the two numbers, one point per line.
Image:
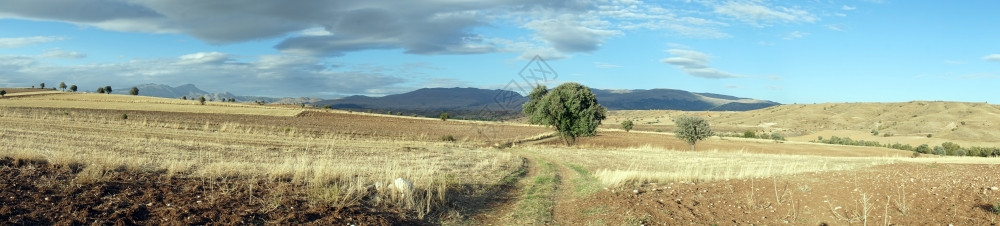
156	160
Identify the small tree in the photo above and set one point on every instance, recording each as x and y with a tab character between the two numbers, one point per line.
627	125
107	89
72	88
571	108
42	85
692	129
445	116
100	89
134	91
201	100
3	93
184	97
62	86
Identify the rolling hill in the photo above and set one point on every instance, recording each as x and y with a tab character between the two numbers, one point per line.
191	91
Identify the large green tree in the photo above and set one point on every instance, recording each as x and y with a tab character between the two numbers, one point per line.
692	129
134	91
571	108
73	88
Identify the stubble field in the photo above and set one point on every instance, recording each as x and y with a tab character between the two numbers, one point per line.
90	158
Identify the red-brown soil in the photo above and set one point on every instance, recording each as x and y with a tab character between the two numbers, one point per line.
35	193
934	194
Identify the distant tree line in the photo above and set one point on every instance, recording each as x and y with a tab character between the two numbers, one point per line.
946	148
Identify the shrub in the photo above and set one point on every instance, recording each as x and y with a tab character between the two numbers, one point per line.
201	100
107	89
448	138
820	138
627	125
875	132
916	154
134	91
938	150
777	136
124	116
73	88
445	116
692	129
751	134
929	135
100	89
922	149
184	97
3	93
996	207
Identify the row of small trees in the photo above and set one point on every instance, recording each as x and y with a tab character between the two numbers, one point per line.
946	148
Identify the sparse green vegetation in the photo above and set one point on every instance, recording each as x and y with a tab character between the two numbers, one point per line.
444	116
134	91
692	129
201	100
627	125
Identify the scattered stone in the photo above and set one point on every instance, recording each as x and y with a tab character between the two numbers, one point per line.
994	188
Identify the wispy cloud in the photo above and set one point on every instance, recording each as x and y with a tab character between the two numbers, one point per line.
606	65
25	41
695	63
992	57
757	14
836	27
795	35
63	54
848	8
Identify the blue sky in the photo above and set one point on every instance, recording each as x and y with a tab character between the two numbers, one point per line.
785	51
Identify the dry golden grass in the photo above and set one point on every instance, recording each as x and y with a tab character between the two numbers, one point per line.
142	103
340	167
617	167
968	124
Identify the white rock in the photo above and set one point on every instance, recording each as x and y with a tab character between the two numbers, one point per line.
994	188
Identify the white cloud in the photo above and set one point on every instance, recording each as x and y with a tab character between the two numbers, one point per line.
203	58
606	65
63	54
848	8
757	14
836	27
695	63
795	35
25	41
992	57
569	34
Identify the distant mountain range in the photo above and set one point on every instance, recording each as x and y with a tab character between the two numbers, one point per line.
191	91
471	101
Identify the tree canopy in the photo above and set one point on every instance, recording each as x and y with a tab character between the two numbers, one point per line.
692	129
571	108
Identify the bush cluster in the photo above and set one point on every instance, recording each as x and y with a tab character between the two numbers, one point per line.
947	148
